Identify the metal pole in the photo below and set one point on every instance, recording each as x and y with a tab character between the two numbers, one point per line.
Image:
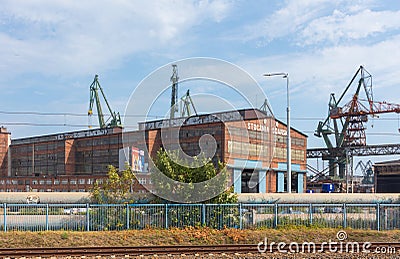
47	217
87	217
288	140
5	216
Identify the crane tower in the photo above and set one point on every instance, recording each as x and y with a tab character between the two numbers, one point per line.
174	95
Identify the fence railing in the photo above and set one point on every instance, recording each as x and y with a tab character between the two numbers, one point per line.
103	217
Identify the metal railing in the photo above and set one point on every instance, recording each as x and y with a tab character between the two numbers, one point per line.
103	217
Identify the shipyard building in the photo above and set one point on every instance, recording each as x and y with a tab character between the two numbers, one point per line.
387	176
250	142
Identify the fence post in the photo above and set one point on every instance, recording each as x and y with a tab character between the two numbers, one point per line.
240	216
310	211
166	216
276	216
127	216
203	215
47	217
378	217
344	216
5	216
87	217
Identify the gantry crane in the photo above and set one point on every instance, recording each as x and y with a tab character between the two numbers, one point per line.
186	103
346	122
367	171
114	119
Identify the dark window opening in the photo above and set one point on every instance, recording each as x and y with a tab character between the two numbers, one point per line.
250	181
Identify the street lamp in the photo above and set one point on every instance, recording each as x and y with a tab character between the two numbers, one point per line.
288	140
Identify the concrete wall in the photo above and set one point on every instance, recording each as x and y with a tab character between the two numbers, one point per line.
319	198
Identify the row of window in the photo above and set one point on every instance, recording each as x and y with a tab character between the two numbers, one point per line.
112	140
97	153
199	132
42	190
47	181
245	148
297	154
37	147
243	132
295	141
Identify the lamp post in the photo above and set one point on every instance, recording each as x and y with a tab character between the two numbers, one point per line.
288	139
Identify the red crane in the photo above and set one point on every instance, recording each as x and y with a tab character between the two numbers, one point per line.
353	114
346	122
356	111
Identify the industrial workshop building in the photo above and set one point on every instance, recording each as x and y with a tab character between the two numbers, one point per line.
387	176
250	142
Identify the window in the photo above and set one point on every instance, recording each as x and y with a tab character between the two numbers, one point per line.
250	181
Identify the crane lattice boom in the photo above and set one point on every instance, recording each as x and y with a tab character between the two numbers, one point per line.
115	118
373	109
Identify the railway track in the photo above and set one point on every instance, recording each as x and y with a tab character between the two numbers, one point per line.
175	250
131	251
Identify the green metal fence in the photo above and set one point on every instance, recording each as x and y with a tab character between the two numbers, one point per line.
104	217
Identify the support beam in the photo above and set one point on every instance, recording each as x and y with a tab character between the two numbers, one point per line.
370	150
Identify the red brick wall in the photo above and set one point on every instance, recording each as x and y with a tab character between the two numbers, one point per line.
4	149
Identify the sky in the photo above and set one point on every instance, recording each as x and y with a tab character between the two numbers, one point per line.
51	50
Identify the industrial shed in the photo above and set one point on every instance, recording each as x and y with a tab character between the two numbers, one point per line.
387	176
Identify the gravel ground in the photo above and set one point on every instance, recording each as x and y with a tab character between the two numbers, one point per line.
284	256
250	256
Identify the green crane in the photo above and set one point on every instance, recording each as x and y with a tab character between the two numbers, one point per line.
348	120
115	118
347	128
186	103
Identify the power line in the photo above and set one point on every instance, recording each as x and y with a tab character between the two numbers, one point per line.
42	124
71	114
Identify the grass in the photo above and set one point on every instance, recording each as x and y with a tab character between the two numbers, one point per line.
186	236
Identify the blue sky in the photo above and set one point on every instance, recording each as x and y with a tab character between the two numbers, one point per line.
51	50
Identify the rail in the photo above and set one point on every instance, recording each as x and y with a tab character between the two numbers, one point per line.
335	247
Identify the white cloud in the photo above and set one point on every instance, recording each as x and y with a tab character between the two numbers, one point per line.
71	37
295	16
315	74
286	20
341	26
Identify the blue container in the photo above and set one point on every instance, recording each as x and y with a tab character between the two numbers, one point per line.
328	188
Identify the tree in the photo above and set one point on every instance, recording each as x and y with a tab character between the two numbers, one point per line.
117	188
199	170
